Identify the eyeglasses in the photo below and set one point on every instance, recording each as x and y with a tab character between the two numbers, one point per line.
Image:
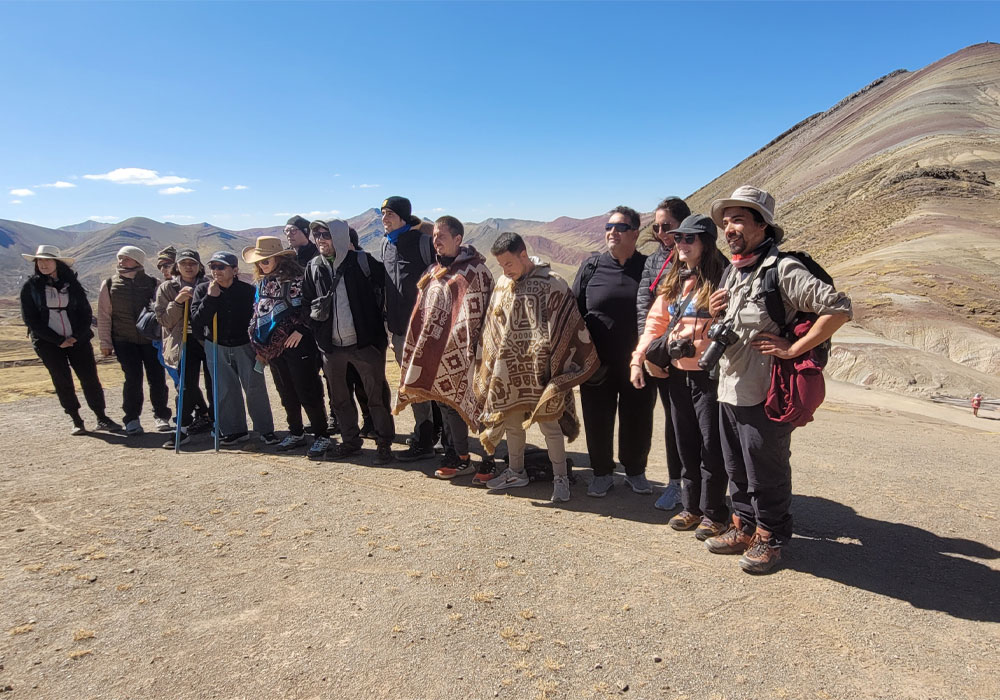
292	229
322	233
167	263
661	228
217	266
688	238
620	228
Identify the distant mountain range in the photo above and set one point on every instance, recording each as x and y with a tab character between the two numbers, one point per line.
893	189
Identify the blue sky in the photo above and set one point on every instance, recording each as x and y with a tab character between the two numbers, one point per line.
240	114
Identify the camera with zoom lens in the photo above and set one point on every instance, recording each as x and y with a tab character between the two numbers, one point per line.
680	348
722	336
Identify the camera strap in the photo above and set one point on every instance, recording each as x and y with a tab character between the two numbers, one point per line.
680	310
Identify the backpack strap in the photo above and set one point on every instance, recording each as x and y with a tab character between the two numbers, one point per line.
385	246
426	249
364	264
771	289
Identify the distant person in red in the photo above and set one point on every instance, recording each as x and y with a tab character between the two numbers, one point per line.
977	401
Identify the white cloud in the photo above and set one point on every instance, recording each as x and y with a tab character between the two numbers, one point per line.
437	210
236	187
283	213
105	219
336	174
138	176
22	192
176	190
15	201
364	187
59	185
177	217
321	214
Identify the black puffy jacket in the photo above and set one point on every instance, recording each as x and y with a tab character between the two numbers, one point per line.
35	312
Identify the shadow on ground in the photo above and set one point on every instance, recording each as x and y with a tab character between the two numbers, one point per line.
893	559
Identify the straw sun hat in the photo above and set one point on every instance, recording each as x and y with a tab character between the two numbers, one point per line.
48	252
266	247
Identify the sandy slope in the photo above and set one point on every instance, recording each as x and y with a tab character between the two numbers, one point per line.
130	572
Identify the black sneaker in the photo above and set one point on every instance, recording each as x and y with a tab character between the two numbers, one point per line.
105	423
234	438
78	427
171	444
415	452
269	438
383	454
367	431
201	424
344	450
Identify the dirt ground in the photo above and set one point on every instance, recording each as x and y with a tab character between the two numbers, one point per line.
129	572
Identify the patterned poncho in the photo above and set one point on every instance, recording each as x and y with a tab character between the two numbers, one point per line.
439	358
536	348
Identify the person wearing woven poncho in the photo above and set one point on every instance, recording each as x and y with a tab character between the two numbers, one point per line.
439	355
536	348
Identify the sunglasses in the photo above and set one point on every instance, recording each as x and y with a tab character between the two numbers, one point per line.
620	228
217	266
661	228
322	233
688	238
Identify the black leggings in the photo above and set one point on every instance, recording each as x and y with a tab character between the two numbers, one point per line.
296	377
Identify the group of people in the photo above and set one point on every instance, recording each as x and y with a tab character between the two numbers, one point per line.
475	354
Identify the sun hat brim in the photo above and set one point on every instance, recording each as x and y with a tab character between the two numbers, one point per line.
252	255
32	257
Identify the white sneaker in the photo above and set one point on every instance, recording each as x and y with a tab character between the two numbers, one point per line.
133	427
162	425
560	489
510	479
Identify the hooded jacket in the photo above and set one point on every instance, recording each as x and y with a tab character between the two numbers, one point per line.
346	306
653	272
170	314
35	309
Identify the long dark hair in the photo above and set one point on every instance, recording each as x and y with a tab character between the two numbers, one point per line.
709	272
287	269
64	273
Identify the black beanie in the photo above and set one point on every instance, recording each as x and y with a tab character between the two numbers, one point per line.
400	205
299	223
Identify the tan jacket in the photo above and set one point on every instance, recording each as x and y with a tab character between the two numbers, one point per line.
170	314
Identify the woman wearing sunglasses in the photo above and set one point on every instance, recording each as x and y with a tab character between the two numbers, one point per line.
281	338
674	338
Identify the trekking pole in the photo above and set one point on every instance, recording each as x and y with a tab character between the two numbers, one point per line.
180	384
215	376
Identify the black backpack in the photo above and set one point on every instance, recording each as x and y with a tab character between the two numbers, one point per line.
771	291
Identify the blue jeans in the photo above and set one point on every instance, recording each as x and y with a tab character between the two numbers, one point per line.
236	376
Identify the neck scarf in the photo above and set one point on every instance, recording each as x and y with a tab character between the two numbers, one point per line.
748	259
393	236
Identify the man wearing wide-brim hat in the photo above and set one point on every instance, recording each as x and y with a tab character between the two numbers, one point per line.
757	449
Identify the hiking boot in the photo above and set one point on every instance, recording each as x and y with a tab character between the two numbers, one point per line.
201	424
487	470
133	428
317	450
685	520
172	443
78	427
671	496
762	555
452	465
291	442
234	438
732	541
344	450
105	423
560	489
269	438
600	485
383	454
162	425
510	479
639	484
709	528
367	429
415	452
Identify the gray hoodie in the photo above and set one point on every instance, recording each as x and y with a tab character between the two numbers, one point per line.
341	319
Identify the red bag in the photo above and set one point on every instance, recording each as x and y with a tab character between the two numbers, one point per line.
797	386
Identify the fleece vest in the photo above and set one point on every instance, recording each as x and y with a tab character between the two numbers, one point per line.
128	298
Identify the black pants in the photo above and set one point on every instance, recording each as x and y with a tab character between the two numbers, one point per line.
695	413
370	364
670	441
61	363
634	408
296	377
135	358
758	452
455	430
193	398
